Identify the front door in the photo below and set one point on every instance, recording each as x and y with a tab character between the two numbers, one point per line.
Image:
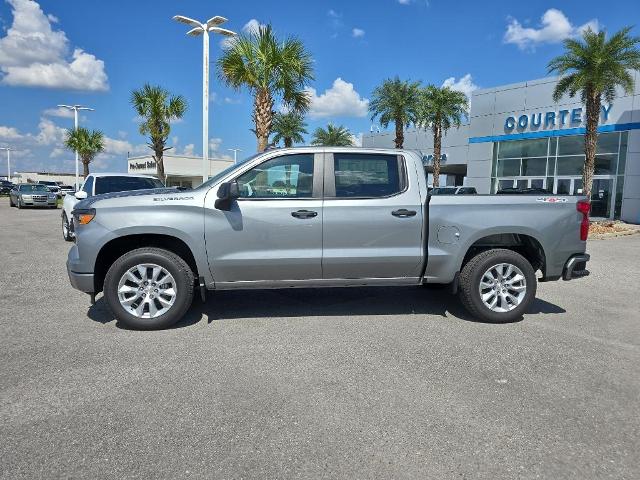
273	232
373	217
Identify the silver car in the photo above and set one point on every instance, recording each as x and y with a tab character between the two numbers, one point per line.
32	195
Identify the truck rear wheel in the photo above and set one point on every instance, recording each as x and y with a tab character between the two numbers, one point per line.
149	288
497	286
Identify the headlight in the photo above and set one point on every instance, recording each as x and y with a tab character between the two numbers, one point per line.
26	197
52	196
84	215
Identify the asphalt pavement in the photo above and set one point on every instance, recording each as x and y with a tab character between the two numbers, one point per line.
333	383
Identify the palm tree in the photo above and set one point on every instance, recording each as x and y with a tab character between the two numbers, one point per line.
88	144
157	108
595	66
440	109
396	101
270	69
288	127
333	136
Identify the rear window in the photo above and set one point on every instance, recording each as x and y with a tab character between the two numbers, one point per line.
123	184
366	175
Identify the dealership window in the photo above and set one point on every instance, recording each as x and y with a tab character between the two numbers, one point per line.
555	164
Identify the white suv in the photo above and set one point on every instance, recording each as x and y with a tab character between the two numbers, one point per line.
98	183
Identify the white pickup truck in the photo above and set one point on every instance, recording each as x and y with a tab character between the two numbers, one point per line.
97	184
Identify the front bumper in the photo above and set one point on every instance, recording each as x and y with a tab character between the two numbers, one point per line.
80	281
576	267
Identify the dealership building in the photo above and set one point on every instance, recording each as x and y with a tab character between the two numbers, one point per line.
180	170
517	136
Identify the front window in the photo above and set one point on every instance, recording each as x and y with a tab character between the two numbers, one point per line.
113	184
289	176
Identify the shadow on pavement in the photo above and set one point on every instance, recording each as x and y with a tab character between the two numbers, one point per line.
323	302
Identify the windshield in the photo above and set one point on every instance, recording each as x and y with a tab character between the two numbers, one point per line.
227	170
33	188
123	184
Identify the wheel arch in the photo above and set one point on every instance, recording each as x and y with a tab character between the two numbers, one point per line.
115	248
523	243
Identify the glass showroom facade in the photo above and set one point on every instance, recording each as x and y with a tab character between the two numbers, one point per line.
555	164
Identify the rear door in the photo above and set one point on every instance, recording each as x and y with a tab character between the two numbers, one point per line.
373	217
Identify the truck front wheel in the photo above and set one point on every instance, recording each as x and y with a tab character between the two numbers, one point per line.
497	286
149	288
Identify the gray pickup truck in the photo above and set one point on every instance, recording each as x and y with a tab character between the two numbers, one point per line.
321	217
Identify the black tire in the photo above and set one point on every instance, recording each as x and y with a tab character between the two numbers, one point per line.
20	204
65	221
175	265
471	276
11	204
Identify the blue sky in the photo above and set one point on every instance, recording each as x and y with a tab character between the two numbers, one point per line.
95	52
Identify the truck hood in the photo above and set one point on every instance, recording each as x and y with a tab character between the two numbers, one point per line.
133	194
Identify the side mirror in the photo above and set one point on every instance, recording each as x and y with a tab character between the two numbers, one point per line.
227	192
81	195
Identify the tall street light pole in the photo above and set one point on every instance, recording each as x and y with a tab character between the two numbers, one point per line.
8	149
235	153
203	29
75	109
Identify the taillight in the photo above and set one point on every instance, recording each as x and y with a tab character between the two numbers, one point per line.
584	207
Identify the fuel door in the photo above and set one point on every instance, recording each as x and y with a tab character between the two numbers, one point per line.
448	234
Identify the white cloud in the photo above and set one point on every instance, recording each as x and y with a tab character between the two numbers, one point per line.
50	133
189	150
10	133
59	112
214	144
554	27
356	140
464	84
59	152
404	2
357	33
341	100
113	146
252	27
34	54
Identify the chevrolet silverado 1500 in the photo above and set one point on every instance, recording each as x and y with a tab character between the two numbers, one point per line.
322	217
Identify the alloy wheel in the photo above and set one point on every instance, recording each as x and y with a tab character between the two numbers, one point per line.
147	290
503	287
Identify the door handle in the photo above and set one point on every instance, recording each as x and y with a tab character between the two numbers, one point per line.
304	214
403	213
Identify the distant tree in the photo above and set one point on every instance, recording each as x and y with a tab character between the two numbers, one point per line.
157	108
396	101
88	144
332	136
269	68
288	127
440	108
594	67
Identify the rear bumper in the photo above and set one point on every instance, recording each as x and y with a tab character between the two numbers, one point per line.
576	267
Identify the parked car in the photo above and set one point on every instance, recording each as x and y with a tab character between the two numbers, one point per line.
6	186
53	187
65	189
98	184
320	217
32	195
453	191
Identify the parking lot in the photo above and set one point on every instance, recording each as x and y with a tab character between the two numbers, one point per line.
335	383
